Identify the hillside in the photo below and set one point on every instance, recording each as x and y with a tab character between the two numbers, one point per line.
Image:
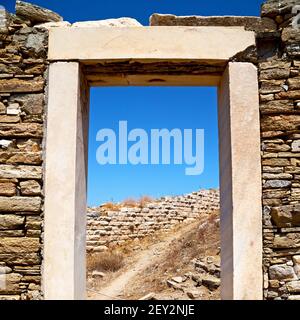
181	263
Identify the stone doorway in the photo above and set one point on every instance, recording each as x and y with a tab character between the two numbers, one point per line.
148	56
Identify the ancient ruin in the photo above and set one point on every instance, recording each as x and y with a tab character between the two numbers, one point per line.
112	225
260	187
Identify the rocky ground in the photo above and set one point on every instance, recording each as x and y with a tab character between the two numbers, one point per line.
182	264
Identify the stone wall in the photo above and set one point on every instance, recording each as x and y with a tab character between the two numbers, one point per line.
23	81
109	227
23	77
279	76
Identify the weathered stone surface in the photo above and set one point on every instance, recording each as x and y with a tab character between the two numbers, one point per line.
10	221
273	8
250	23
296	146
19	85
2	108
271	86
274	64
275	73
277	106
290	35
280	122
3	20
35	13
12	233
30	188
289	240
121	22
294	83
34	130
11	157
286	216
24	259
7	189
13	109
19	245
211	283
30	103
37	43
275	162
20	172
5	270
294	297
10	204
10	297
296	261
277	184
193	294
282	272
50	25
12	281
293	94
9	119
293	286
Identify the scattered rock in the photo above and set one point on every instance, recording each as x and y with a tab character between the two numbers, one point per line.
98	274
211	283
193	294
149	296
177	279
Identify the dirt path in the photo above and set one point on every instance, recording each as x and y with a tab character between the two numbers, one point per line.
116	288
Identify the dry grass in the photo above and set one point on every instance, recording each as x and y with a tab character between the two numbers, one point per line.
111	206
109	261
129	202
144	200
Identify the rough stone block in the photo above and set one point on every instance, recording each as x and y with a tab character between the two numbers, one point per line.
35	13
19	204
282	272
20	172
20	85
289	240
30	103
24	130
286	216
10	221
293	286
30	188
19	246
7	189
12	284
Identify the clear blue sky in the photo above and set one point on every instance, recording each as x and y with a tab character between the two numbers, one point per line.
149	107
